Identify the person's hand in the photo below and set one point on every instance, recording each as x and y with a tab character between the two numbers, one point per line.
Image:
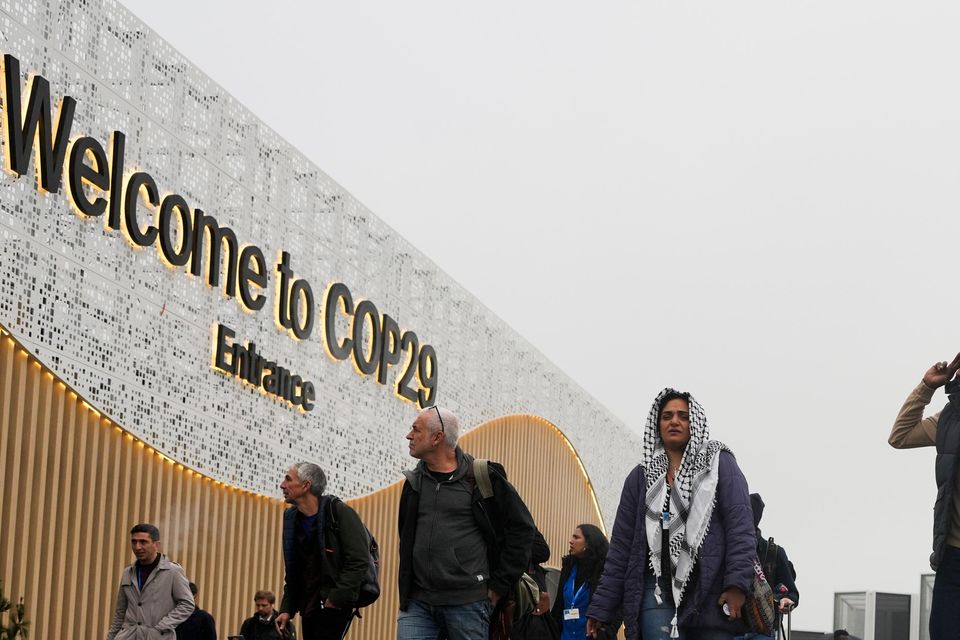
328	604
940	373
281	623
594	627
493	596
786	604
543	606
734	599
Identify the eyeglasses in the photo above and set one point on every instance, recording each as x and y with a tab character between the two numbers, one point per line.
442	430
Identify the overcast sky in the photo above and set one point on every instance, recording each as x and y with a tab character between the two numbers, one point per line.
754	201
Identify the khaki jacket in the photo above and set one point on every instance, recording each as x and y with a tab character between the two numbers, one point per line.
155	612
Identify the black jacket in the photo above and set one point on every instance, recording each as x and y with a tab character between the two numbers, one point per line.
199	626
539	553
946	470
345	557
503	519
252	629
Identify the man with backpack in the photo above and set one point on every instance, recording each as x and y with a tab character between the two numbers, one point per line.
463	547
326	553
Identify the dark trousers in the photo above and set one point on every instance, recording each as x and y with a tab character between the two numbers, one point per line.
327	624
944	612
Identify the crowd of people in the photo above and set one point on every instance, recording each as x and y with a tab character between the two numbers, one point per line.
682	560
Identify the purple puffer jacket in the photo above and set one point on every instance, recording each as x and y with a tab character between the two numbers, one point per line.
725	559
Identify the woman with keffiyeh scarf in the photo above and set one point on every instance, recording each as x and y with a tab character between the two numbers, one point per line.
682	550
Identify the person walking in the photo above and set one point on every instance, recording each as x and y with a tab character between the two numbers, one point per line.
200	625
579	575
686	506
460	553
154	595
324	565
778	570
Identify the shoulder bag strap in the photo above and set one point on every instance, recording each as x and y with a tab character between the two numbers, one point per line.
481	472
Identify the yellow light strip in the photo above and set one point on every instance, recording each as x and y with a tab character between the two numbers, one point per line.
22	351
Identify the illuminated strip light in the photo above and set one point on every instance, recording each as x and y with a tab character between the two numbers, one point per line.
24	352
576	456
583	470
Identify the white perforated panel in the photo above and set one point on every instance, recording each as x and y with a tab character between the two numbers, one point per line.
136	335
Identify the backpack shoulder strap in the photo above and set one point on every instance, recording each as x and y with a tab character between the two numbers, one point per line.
331	514
770	561
481	473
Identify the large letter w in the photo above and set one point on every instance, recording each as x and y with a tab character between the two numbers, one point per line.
21	130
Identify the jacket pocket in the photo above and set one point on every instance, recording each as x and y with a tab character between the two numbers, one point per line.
472	560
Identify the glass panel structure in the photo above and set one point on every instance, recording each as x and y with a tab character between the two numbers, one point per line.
849	612
892	616
926	598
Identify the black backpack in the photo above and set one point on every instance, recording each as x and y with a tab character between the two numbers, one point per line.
370	586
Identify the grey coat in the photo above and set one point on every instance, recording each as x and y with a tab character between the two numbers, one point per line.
155	612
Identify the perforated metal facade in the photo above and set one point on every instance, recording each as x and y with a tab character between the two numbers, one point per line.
134	335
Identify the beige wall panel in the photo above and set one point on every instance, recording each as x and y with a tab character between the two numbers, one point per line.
544	468
72	483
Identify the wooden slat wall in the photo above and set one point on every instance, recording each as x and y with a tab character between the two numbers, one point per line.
72	483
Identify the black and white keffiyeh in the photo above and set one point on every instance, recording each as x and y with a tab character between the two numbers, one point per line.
692	496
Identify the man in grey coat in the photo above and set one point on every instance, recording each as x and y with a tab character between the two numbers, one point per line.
154	595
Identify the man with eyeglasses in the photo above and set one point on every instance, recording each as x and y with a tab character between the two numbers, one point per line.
452	569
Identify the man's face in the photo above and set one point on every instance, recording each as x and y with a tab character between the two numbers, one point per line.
292	487
264	608
419	439
144	548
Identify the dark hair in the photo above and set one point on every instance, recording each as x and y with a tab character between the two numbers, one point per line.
673	395
590	564
839	634
265	595
194	589
144	527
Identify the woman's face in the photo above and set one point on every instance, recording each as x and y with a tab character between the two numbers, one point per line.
675	424
578	544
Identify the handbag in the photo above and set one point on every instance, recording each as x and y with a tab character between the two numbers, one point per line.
513	607
760	610
531	627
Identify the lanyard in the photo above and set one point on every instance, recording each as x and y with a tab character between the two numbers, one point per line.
573	597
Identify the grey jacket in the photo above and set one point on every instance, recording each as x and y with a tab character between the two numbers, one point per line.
503	519
155	612
450	564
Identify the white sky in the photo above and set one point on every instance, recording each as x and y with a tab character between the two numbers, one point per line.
752	201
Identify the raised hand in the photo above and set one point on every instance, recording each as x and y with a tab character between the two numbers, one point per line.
941	372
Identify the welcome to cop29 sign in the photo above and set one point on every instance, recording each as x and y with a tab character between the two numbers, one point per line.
185	237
